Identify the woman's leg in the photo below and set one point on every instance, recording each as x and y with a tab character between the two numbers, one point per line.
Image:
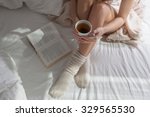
100	14
79	57
84	8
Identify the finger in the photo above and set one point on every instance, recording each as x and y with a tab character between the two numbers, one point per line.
95	31
97	35
91	37
80	37
76	36
86	39
74	31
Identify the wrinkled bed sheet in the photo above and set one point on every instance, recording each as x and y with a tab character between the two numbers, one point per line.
10	82
117	71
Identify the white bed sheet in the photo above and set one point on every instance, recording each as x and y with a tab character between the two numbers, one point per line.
14	25
10	83
117	71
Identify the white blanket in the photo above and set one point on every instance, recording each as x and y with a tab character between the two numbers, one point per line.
11	4
10	82
51	7
128	78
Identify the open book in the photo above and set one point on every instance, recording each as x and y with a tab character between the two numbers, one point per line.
49	44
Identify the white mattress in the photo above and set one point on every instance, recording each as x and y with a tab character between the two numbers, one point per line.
117	71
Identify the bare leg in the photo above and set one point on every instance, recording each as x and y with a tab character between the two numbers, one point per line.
84	8
100	14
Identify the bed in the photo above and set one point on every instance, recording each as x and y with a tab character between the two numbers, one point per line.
116	70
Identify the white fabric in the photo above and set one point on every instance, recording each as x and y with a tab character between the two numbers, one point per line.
64	18
132	28
10	82
53	7
11	4
117	71
14	25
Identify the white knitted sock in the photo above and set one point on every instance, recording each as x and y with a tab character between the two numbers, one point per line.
82	78
63	82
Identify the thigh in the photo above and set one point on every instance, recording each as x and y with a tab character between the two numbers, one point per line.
83	8
101	14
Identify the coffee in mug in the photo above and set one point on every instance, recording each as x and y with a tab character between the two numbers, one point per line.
83	27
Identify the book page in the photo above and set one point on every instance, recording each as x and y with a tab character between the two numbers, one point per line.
49	43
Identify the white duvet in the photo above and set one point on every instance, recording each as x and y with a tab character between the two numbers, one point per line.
50	7
10	82
117	71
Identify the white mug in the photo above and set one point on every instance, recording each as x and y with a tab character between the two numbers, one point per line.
83	27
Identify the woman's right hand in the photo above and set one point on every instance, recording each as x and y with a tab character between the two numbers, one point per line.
84	39
74	19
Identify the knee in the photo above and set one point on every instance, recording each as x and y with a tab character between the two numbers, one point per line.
90	1
100	7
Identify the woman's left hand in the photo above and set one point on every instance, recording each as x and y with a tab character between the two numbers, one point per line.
99	32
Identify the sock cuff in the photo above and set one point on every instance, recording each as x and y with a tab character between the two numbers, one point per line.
75	62
79	55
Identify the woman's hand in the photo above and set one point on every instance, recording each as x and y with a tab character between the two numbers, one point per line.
99	32
84	39
74	18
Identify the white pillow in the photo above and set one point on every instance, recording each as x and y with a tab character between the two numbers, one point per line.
51	7
11	4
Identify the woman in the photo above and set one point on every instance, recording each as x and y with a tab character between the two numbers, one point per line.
106	16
